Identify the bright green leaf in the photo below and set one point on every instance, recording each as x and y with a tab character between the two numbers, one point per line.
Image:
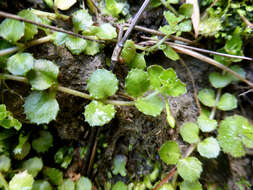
209	148
172	18
5	163
64	156
59	38
186	9
54	175
170	152
20	63
238	70
209	26
83	184
150	105
106	32
189	168
75	45
41	185
137	82
190	132
21	181
207	97
169	116
102	83
119	165
43	142
33	166
81	20
128	51
186	185
92	48
67	184
168	30
206	124
98	114
119	186
3	111
44	75
166	186
218	80
154	71
185	26
234	44
41	107
170	53
12	30
113	7
138	61
227	102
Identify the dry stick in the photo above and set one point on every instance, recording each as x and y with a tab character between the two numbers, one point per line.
118	48
70	91
15	17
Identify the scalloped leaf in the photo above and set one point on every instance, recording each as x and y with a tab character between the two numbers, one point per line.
59	38
113	7
138	61
102	83
98	114
41	107
75	45
21	181
209	148
82	20
119	165
43	142
33	166
190	132
227	102
186	185
207	97
20	63
238	70
206	124
189	168
218	80
170	152
154	71
67	184
83	184
41	185
44	74
137	82
92	48
106	32
54	175
5	163
150	105
12	30
119	186
128	52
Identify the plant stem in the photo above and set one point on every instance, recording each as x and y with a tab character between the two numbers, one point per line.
70	91
4	182
154	47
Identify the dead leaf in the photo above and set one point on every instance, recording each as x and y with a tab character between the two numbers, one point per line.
195	16
64	4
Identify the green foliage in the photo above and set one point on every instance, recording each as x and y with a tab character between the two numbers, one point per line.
4	45
128	51
234	133
43	142
154	71
41	185
64	156
81	20
83	184
218	80
150	105
41	107
59	38
113	7
169	152
119	186
33	166
209	26
12	30
186	185
205	124
170	53
189	168
5	163
67	184
137	82
170	118
138	61
92	48
98	114
7	121
21	181
209	148
227	102
23	147
54	175
190	132
166	186
186	9
238	70
207	97
106	32
75	45
102	83
44	74
119	165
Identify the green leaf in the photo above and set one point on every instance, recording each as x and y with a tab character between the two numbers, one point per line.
113	7
33	166
138	61
64	156
30	29
102	83
166	186
168	30
43	142
190	132
218	80
171	85
169	116
238	70
5	163
189	168
119	165
41	185
44	75
20	63
154	71
222	59
186	185
172	1
227	102
186	9
170	152
21	181
209	148
128	51
75	45
206	124
234	44
67	184
150	105
172	19
207	97
21	150
92	48
12	30
137	82
3	112
41	107
59	38
170	53
4	45
64	4
119	186
209	26
83	184
98	114
54	175
81	20
185	26
106	32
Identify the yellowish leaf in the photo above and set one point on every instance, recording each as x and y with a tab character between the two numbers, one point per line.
64	4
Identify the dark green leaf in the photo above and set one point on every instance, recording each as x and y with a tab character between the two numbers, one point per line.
33	166
54	175
238	70
5	163
186	9
43	142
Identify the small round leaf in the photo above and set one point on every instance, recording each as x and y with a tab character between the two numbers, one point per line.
206	124
119	186
138	61
170	152
218	80
54	175
83	184
190	132
227	102
75	45
186	185
33	166
5	163
41	185
128	51
207	97
209	148
106	32
82	20
21	181
119	165
154	71
67	184
43	142
238	70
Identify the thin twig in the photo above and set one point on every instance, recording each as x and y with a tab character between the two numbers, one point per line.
118	48
246	21
15	17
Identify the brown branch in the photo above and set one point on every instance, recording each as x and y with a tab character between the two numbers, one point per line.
166	178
